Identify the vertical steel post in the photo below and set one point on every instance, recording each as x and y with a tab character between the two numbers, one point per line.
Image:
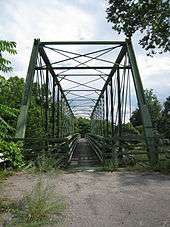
100	117
46	102
98	123
119	104
53	109
91	124
58	111
146	118
61	117
111	100
107	114
120	156
103	112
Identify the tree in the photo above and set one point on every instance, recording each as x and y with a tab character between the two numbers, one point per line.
164	123
166	110
9	47
154	107
10	150
151	18
83	125
11	91
5	46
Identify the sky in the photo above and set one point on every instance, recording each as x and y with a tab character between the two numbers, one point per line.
22	21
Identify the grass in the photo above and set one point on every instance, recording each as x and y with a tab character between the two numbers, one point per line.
7	205
109	166
41	206
138	167
44	163
163	167
4	174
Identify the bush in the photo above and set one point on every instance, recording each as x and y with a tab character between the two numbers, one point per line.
46	163
12	152
109	165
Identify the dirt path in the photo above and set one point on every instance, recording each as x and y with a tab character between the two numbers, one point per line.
105	199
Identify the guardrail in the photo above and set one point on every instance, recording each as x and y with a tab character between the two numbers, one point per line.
97	145
60	148
72	143
132	148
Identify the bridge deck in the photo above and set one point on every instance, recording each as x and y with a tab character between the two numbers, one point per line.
84	155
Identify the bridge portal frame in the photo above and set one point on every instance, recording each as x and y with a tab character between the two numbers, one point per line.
126	48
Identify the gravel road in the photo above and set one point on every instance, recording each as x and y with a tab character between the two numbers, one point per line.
100	199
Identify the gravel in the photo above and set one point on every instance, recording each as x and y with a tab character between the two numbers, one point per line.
103	199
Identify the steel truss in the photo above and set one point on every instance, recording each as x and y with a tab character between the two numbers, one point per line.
108	102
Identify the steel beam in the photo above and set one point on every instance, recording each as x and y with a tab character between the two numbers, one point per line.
68	90
58	111
47	62
111	106
107	113
46	102
53	109
82	67
22	119
120	156
82	74
102	42
146	118
118	61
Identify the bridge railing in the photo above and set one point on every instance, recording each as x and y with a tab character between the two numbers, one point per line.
60	149
131	147
97	144
114	106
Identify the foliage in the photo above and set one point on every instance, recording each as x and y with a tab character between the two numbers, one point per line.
10	150
166	110
45	162
164	123
151	18
8	120
34	121
11	91
9	47
109	165
40	206
129	128
154	107
7	205
164	167
83	126
4	174
12	153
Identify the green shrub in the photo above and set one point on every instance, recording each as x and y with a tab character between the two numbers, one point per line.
46	163
12	152
163	166
109	165
4	174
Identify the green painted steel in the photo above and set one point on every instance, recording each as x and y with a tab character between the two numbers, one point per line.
105	121
146	118
22	119
83	43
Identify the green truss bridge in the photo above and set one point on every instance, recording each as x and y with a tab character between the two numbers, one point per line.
98	80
